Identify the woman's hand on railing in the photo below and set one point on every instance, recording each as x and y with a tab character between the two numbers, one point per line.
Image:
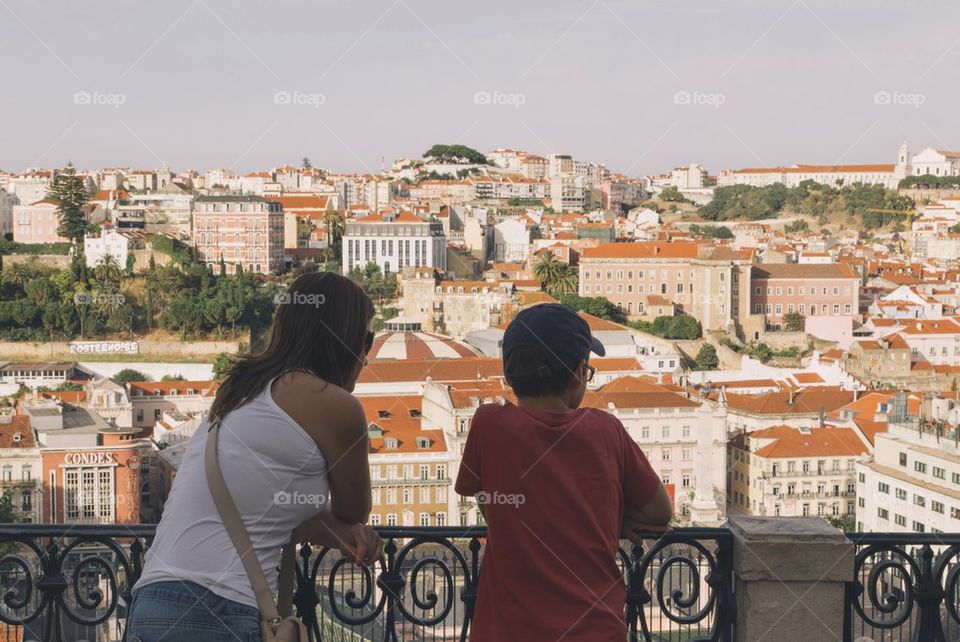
361	543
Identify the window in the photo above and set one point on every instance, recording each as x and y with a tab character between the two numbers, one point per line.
883	488
441	471
685	431
900	520
919	527
645	432
665	454
901	494
936	507
903	459
392	519
424	519
374	520
939	473
920	467
920	500
424	472
882	513
666	432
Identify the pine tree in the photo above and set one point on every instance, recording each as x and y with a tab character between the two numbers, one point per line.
68	188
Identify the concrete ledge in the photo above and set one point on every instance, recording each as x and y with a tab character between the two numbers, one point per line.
789	576
790	549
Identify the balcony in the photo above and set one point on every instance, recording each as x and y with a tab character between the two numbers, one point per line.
760	578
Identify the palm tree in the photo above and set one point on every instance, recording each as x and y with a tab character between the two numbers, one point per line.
107	270
567	280
546	269
335	228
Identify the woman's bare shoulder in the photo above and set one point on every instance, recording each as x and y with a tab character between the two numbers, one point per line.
318	406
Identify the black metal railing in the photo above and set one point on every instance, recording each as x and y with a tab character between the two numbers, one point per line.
63	583
905	588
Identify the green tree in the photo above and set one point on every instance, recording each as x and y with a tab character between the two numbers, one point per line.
567	281
455	154
707	358
221	365
172	378
762	352
69	191
596	306
129	374
546	269
306	163
794	322
671	193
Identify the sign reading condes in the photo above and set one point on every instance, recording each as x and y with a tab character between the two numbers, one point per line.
104	347
88	459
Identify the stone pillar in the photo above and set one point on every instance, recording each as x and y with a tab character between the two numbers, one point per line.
789	575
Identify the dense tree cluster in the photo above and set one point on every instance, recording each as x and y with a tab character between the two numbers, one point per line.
929	181
681	326
711	231
597	306
809	198
555	276
455	154
41	303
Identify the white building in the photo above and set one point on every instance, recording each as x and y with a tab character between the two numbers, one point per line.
936	162
112	242
912	483
511	240
394	240
936	341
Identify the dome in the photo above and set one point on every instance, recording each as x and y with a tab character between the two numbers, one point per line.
418	345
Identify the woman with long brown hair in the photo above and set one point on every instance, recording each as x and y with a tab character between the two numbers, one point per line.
293	452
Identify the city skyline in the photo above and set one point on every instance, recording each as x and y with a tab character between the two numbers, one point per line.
600	81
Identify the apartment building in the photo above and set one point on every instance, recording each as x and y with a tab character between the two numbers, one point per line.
912	483
152	399
936	341
704	280
779	289
243	231
795	471
411	468
21	466
37	222
394	240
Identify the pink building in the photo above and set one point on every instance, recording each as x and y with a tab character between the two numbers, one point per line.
242	230
777	289
37	222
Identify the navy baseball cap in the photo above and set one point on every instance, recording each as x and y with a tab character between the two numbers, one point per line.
557	330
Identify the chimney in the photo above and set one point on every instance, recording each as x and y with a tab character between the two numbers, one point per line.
790	398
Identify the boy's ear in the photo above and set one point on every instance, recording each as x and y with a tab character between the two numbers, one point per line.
578	374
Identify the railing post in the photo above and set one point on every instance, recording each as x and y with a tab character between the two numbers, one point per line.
930	595
790	577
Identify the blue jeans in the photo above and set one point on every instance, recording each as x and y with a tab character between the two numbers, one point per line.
188	612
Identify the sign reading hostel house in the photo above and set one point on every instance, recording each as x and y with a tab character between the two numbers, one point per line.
104	347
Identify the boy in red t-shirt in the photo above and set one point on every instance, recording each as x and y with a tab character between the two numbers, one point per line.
558	486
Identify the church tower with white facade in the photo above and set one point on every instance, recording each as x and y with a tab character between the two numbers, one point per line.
903	168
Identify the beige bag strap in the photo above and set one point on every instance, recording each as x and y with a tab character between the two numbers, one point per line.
233	524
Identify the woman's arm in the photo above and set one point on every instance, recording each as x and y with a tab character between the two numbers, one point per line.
336	422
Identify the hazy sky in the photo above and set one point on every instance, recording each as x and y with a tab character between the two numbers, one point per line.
193	82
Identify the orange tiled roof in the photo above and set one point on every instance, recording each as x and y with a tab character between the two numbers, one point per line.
790	442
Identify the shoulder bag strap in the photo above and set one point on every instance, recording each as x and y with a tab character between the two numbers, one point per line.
238	534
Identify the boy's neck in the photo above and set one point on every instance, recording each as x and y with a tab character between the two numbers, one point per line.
547	404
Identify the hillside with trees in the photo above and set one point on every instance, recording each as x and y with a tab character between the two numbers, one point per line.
744	202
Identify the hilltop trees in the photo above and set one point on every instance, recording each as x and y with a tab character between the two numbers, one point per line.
455	154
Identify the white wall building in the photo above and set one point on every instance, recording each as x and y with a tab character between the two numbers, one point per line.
394	240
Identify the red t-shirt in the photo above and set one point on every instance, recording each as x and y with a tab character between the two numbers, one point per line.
554	487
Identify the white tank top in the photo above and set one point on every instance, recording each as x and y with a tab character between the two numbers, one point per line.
277	477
